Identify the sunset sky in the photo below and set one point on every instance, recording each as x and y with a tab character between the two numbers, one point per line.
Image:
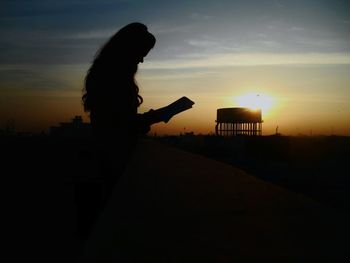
290	56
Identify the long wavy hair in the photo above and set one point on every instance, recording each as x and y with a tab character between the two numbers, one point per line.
116	62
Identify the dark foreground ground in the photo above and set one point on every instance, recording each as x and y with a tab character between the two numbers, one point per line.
315	166
174	206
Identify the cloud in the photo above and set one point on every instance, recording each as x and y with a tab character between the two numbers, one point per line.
34	77
92	34
202	43
252	59
197	16
160	29
269	43
296	28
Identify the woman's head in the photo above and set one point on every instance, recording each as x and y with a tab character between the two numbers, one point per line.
129	45
117	62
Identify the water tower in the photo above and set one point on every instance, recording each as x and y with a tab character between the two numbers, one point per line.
238	121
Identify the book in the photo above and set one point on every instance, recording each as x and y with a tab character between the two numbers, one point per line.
176	107
167	112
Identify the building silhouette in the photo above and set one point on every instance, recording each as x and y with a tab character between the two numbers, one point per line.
238	121
74	129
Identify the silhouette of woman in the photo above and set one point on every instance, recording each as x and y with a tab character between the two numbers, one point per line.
111	93
111	97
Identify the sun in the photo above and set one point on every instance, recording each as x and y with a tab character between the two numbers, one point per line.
255	101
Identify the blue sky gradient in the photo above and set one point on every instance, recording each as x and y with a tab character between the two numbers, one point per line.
47	46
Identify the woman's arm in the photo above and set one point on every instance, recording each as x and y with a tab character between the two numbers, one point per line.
145	120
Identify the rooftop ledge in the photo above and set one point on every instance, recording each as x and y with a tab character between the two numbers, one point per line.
173	206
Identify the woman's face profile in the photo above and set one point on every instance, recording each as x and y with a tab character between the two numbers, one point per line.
141	55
